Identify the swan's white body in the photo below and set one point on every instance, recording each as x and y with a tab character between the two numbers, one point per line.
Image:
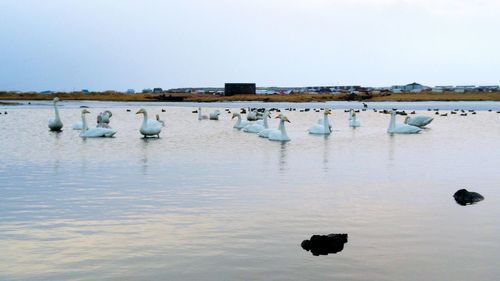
240	124
265	133
419	120
280	134
401	128
323	128
55	124
353	119
214	115
149	127
320	121
94	132
258	126
201	116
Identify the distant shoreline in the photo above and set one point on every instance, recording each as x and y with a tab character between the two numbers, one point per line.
303	97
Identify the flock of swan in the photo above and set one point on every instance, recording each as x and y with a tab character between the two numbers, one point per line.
256	123
149	128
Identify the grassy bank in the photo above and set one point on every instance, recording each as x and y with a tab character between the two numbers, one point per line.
115	96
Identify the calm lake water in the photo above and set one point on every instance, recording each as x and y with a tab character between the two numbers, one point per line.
207	202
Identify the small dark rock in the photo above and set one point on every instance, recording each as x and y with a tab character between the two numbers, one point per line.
325	244
464	197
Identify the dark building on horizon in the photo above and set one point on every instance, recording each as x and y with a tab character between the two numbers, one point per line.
231	89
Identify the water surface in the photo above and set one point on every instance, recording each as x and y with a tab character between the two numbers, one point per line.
207	202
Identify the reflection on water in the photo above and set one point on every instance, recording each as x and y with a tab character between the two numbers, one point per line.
283	153
206	202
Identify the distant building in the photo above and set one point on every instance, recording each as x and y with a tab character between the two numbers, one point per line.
412	88
440	89
488	88
265	92
231	89
157	90
130	91
147	91
85	91
466	88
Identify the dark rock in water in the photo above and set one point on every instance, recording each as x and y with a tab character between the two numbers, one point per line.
325	244
464	197
83	106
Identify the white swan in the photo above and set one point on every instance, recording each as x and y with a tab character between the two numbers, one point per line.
280	134
401	128
103	119
258	127
353	119
161	121
55	124
324	128
94	132
240	124
215	115
149	127
201	116
419	120
252	115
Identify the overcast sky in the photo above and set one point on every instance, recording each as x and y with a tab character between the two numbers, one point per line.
121	44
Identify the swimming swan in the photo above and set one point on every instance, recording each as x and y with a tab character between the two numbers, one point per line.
419	120
280	134
103	119
257	127
55	124
401	128
161	121
94	132
201	116
240	124
215	115
252	115
149	127
323	128
353	120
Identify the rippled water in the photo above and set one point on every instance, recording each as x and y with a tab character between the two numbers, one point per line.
207	202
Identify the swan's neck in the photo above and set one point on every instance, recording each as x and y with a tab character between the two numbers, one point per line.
199	112
84	123
265	120
56	111
326	124
238	122
392	124
283	129
145	120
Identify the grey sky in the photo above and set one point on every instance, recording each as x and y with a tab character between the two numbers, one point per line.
120	44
